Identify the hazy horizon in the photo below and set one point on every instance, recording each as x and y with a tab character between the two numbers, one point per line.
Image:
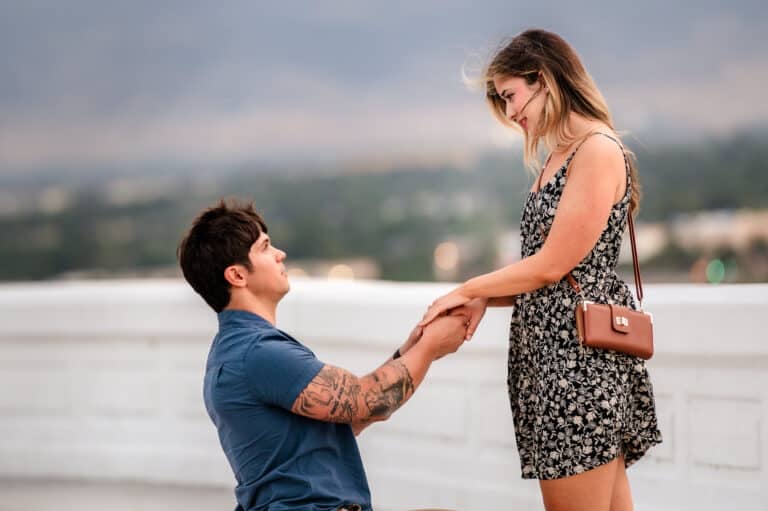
89	84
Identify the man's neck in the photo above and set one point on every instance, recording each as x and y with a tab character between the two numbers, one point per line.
267	309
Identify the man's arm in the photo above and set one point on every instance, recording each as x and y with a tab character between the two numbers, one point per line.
413	338
337	395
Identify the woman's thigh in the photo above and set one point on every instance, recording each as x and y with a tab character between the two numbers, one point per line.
622	495
591	490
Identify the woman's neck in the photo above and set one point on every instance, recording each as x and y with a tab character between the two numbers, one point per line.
578	127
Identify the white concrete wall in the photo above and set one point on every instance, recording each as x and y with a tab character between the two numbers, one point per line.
102	381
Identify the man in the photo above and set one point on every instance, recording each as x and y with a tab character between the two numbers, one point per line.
287	421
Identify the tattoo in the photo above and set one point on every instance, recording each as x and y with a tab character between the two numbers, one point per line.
392	387
332	395
337	395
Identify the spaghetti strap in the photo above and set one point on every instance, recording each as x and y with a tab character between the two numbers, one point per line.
621	146
567	163
618	143
587	137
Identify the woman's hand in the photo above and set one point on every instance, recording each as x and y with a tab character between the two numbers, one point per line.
444	304
473	310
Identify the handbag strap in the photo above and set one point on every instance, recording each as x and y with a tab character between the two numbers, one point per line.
635	266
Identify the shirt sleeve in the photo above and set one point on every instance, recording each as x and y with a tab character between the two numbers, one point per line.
278	368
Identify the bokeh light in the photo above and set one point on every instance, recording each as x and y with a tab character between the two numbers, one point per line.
341	271
296	271
447	256
715	271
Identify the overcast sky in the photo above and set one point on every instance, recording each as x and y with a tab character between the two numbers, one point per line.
92	82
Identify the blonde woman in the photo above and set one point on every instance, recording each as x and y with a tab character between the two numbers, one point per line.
581	415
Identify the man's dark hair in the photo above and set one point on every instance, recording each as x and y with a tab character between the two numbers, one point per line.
220	236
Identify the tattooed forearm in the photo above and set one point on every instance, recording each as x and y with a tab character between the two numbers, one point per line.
333	395
392	387
336	395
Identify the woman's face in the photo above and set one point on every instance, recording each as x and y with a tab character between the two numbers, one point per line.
524	103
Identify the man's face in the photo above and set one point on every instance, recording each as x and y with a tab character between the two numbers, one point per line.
267	276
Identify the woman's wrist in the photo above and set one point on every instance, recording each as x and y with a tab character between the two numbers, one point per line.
469	289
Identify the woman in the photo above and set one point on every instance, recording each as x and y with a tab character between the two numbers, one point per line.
581	415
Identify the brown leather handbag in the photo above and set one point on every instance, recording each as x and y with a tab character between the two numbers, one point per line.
616	327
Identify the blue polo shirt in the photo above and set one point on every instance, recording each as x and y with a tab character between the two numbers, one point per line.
281	461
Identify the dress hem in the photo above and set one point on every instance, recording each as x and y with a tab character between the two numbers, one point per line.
646	442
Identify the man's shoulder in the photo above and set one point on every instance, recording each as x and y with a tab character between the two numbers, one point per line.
234	344
272	336
264	340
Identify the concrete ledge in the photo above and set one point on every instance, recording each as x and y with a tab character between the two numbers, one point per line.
102	384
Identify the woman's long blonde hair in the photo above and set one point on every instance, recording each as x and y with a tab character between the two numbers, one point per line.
537	54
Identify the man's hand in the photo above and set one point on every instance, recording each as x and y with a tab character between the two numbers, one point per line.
445	334
473	310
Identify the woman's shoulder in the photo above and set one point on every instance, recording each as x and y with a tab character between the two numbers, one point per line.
600	149
599	159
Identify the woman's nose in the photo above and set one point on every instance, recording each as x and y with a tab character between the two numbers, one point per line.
510	111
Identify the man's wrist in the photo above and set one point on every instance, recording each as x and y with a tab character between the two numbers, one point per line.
403	349
424	348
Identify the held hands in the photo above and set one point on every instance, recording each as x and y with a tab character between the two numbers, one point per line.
444	335
436	329
449	321
443	304
457	303
473	310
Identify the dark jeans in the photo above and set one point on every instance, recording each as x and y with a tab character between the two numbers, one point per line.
350	507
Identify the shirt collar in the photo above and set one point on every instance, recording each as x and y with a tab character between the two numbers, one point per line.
240	318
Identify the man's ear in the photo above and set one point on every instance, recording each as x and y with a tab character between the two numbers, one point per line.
235	275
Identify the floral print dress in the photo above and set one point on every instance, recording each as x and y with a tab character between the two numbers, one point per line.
574	408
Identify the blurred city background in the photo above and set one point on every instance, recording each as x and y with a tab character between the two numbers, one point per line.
350	126
353	129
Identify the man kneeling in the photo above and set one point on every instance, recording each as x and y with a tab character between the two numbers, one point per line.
287	421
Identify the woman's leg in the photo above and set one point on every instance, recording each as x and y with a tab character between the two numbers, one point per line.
588	491
622	496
